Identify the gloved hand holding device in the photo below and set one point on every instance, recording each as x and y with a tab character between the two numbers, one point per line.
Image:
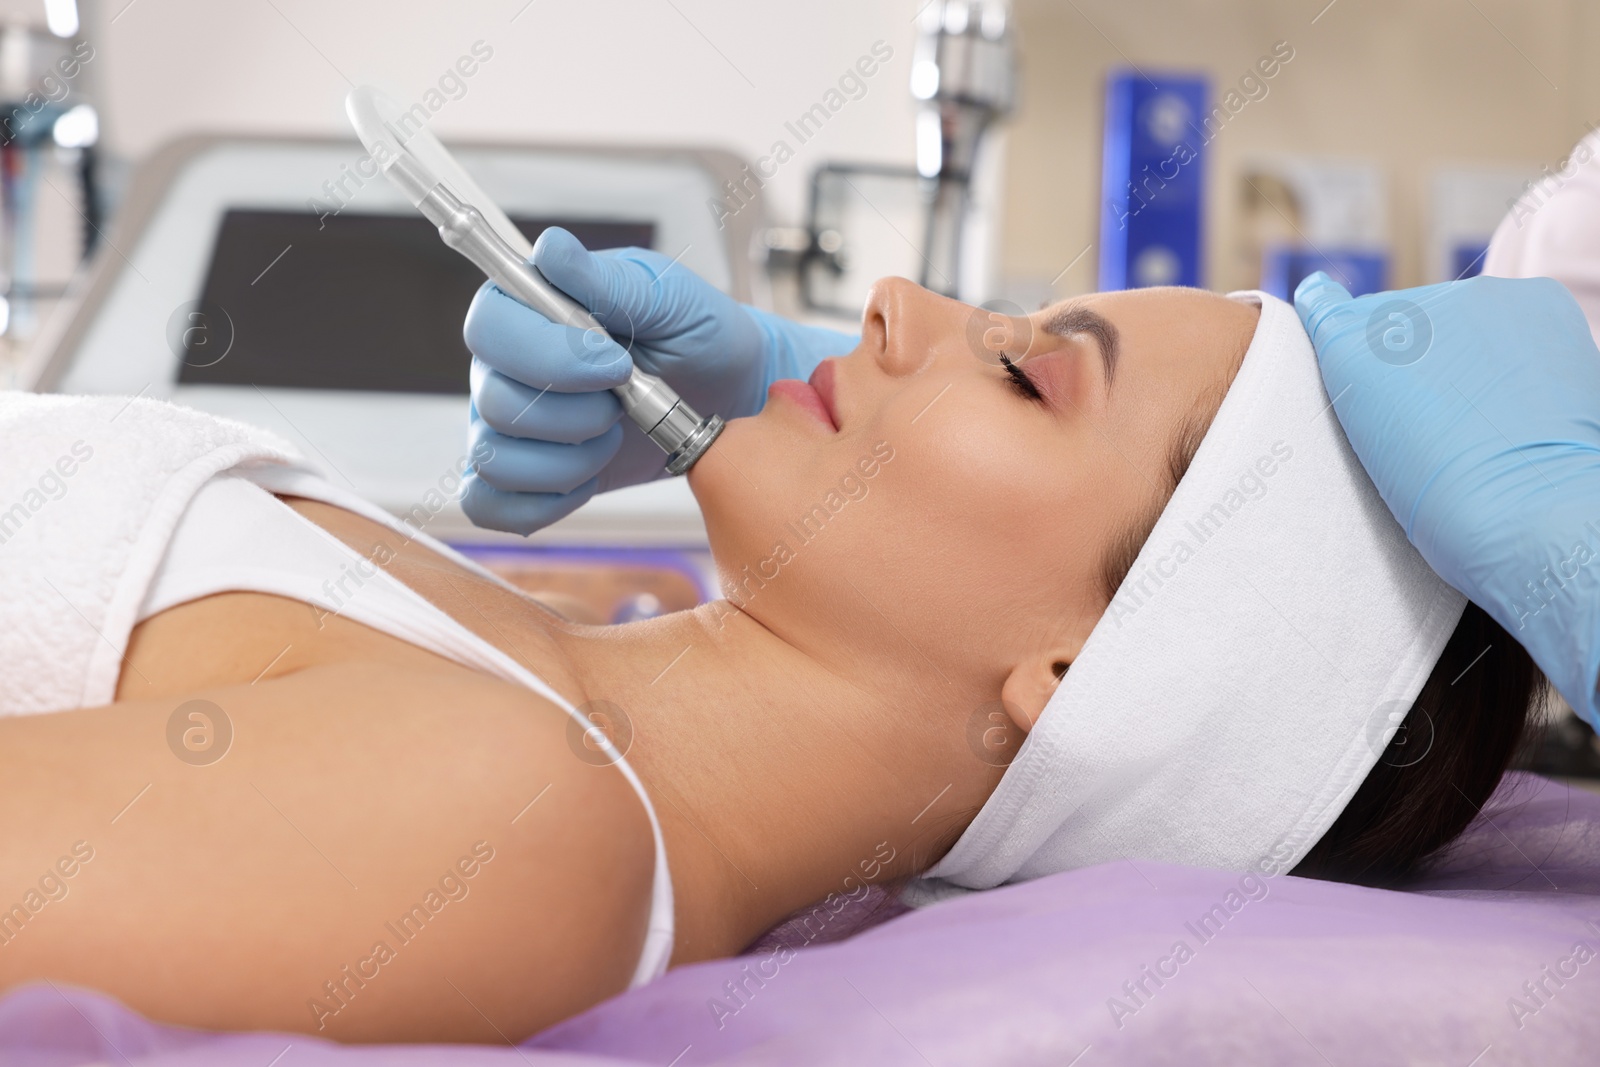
540	399
1475	407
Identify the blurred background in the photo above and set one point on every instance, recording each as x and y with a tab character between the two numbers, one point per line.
179	183
1398	130
1413	90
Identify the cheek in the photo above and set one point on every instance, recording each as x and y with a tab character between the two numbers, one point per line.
972	477
978	523
957	539
1013	514
982	518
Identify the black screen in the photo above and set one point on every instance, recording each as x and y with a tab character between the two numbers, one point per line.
369	302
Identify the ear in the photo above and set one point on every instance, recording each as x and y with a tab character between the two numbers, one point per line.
1031	683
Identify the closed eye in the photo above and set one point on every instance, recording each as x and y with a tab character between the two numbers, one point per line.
1020	381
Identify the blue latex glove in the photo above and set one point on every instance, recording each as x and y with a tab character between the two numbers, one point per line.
541	413
1475	407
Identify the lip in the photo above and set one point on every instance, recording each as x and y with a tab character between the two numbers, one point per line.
805	397
822	380
815	396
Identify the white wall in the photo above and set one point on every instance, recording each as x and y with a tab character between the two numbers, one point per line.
1411	84
719	73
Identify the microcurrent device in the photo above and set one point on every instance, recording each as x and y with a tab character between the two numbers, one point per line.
419	166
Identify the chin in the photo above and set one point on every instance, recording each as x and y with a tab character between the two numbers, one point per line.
714	479
731	506
746	493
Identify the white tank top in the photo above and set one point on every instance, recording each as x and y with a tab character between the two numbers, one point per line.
235	535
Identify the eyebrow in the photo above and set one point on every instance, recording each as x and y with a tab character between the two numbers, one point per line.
1076	318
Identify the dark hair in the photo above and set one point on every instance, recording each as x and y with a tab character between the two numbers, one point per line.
1440	767
1455	743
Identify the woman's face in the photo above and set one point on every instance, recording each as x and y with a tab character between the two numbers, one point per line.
915	510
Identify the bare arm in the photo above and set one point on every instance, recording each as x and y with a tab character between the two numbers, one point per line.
362	863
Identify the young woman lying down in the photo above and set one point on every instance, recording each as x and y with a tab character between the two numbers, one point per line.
1128	530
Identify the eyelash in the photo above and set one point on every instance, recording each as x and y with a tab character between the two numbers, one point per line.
1020	381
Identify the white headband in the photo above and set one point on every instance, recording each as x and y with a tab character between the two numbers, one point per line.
1251	667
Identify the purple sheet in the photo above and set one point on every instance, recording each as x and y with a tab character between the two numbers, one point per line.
1491	960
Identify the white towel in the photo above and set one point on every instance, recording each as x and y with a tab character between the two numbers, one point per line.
91	488
1249	671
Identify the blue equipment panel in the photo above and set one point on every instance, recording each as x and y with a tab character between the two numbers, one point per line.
1466	260
1361	272
1152	183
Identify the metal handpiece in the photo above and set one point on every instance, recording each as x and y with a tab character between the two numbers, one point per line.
648	401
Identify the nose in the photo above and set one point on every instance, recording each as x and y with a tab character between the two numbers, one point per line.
903	325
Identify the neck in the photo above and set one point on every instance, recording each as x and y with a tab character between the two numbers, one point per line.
777	780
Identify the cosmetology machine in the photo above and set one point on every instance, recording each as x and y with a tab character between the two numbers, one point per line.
469	222
287	283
